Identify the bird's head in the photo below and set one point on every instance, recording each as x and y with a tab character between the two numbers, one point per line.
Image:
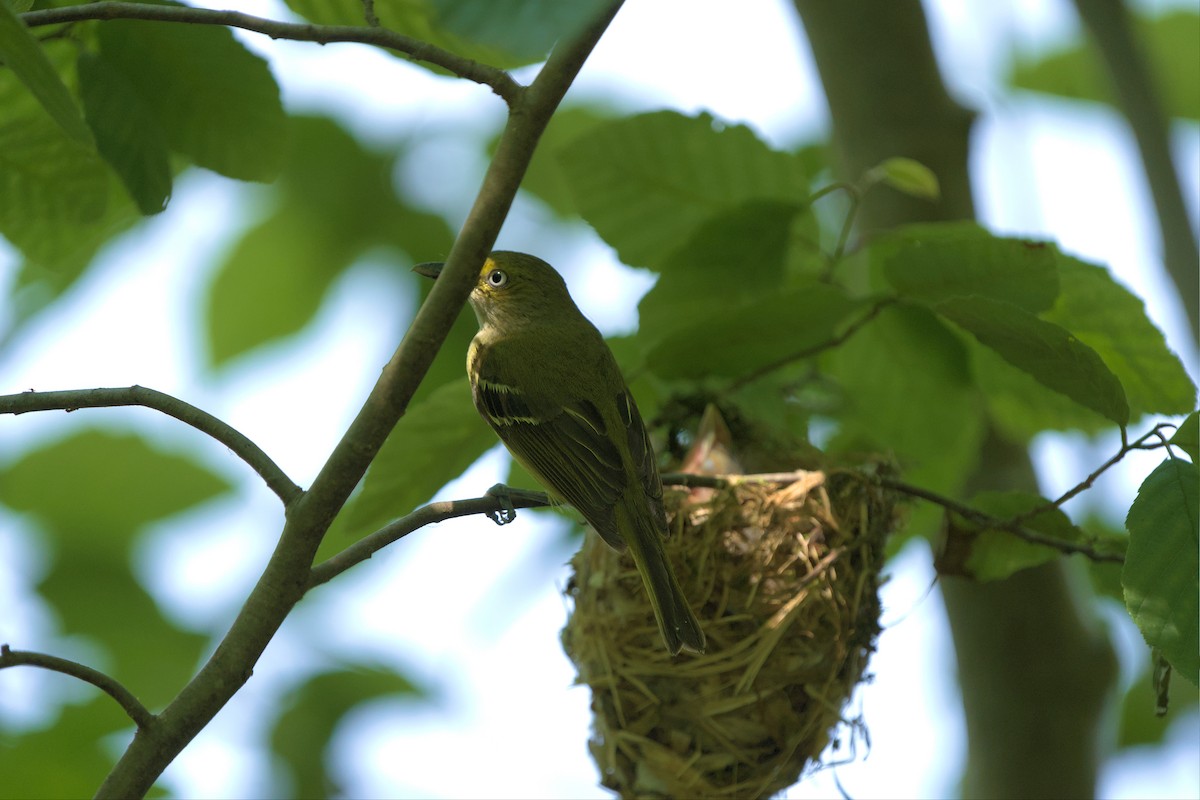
513	289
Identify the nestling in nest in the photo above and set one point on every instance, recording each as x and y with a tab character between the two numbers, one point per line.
784	579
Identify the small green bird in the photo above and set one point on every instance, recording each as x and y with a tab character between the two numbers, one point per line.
544	379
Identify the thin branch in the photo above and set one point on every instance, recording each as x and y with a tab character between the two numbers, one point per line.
286	576
985	520
202	421
1138	97
500	81
815	349
140	715
369	545
1126	448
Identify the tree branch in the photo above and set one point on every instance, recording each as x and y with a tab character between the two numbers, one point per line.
287	574
985	520
1086	483
1137	96
369	545
500	81
137	712
202	421
815	349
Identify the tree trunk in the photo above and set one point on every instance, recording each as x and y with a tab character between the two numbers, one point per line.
1034	668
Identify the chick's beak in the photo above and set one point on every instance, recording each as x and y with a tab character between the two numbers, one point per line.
430	269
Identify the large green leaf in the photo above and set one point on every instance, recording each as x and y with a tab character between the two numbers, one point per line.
1046	351
1162	567
544	178
996	554
21	53
1021	405
95	594
645	183
907	391
1112	321
216	101
736	256
36	762
756	334
335	203
272	283
59	201
1187	437
434	442
933	262
524	29
422	20
312	711
127	133
95	489
1170	41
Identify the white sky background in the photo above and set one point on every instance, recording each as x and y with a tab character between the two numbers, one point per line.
475	610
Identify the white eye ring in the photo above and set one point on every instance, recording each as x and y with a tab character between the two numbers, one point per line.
497	278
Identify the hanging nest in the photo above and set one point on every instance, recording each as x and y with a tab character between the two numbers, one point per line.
784	579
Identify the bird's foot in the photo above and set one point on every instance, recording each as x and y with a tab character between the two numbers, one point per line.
509	497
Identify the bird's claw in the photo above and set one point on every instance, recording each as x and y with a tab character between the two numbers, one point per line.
505	496
507	511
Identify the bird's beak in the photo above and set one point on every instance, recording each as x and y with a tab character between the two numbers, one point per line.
430	269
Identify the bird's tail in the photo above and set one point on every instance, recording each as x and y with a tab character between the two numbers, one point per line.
679	627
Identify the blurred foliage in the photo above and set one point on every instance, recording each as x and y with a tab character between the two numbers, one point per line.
1170	41
909	347
311	713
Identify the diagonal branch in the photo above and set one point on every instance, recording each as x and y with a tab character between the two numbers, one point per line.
441	511
500	81
286	576
137	712
202	421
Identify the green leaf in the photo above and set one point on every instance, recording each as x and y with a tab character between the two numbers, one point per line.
127	133
216	101
907	391
544	179
1187	437
272	283
1171	42
312	711
753	335
736	256
996	554
1046	351
419	19
95	594
434	442
1162	566
313	236
937	261
908	176
22	54
645	183
525	29
1022	406
1139	724
34	761
116	483
1112	321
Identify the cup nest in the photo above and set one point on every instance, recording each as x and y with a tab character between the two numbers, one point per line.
784	578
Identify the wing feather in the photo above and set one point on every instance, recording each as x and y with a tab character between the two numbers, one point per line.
566	448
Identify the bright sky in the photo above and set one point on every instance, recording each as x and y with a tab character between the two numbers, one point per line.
483	629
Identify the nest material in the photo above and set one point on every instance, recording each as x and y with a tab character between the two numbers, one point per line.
784	580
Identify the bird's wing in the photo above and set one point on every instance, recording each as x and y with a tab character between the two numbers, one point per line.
567	447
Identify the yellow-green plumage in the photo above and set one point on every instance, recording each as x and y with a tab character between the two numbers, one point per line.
544	379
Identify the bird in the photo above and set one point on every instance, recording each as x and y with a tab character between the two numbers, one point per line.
547	383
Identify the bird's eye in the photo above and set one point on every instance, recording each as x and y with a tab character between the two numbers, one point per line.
497	278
